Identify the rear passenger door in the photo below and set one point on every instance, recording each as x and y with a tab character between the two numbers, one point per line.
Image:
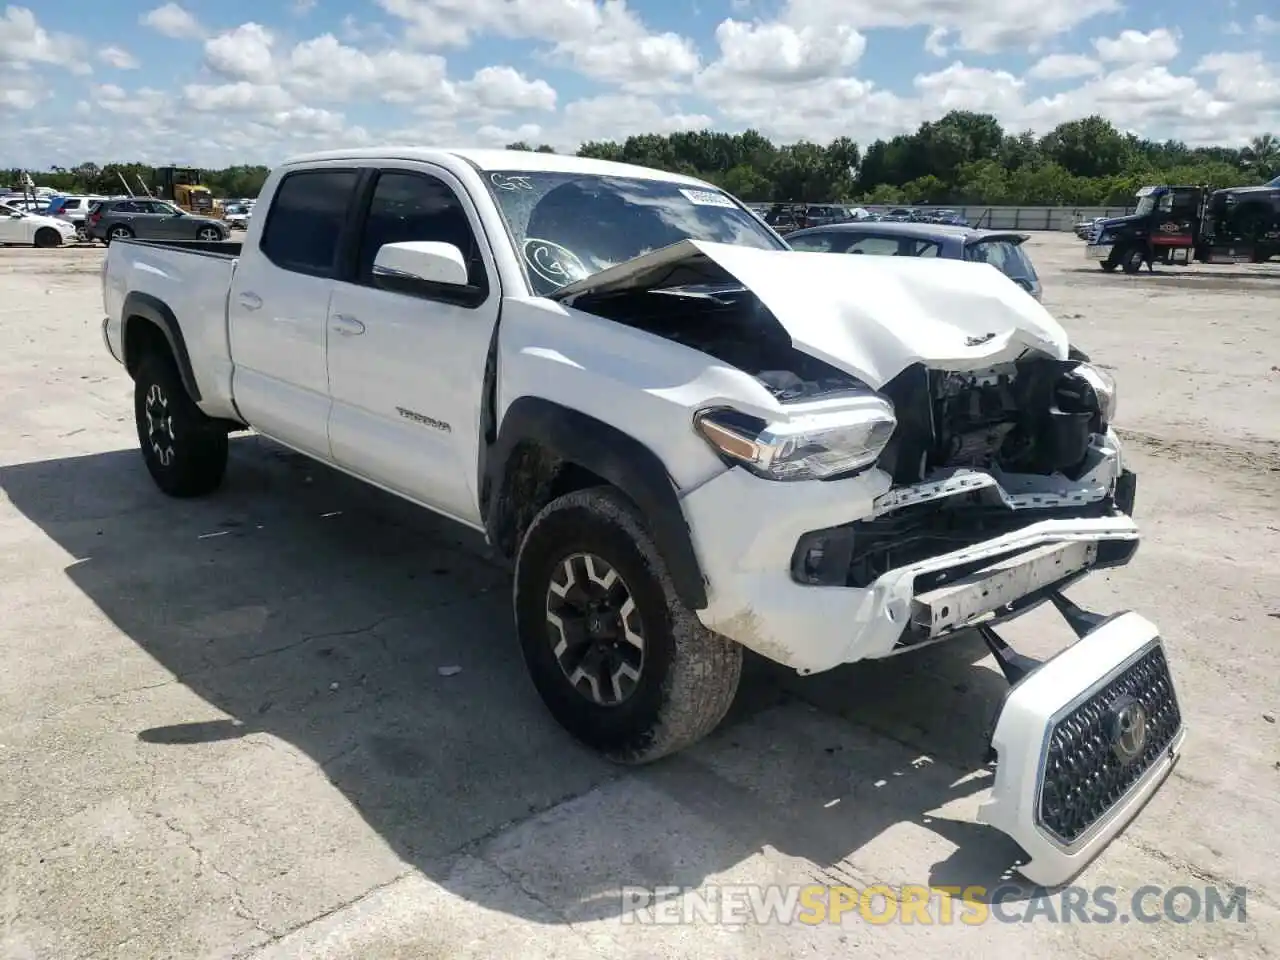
278	309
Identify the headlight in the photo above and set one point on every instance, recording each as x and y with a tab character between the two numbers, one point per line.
1104	387
811	447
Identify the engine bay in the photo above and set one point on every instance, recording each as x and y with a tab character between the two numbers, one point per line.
732	325
1032	416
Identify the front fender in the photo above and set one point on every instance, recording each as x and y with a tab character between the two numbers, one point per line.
573	437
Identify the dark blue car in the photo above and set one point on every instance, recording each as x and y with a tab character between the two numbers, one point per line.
1000	248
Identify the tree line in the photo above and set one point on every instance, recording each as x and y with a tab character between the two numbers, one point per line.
964	158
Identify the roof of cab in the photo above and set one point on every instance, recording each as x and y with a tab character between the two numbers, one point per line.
920	231
523	160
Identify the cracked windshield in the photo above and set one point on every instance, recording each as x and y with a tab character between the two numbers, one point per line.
569	226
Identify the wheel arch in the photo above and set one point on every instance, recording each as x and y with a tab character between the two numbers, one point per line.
147	321
544	450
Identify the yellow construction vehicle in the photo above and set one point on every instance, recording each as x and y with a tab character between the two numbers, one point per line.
181	185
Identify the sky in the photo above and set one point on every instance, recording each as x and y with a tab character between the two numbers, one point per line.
216	82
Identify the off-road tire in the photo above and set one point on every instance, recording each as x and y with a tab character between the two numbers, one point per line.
1131	260
188	456
47	237
689	674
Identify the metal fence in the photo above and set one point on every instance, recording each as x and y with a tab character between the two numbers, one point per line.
1019	218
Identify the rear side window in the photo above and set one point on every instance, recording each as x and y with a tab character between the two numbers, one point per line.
1007	256
305	221
812	242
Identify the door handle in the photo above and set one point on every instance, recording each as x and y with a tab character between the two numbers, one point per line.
347	326
250	301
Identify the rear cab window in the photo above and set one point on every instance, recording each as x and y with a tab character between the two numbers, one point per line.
1003	253
306	218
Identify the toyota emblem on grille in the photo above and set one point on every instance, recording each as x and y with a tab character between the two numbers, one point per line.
1127	727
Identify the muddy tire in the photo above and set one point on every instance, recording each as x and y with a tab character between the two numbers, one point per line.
617	658
47	237
185	451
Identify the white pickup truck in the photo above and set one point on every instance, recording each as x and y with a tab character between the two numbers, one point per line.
687	438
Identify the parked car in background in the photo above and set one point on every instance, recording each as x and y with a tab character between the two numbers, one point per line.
73	209
146	219
1000	248
19	226
236	215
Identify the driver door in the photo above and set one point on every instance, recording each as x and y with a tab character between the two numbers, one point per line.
13	229
405	370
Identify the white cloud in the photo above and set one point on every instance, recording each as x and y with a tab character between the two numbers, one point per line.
1266	25
781	54
502	88
118	57
971	88
605	41
1134	46
935	43
23	42
986	27
242	54
173	21
1064	66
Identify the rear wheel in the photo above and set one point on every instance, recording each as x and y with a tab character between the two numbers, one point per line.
617	658
119	233
185	451
48	237
1109	265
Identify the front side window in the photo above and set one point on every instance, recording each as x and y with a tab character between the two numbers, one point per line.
567	226
306	218
413	206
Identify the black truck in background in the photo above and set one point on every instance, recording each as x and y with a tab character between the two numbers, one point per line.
1179	224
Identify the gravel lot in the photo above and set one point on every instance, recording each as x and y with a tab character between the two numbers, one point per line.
224	729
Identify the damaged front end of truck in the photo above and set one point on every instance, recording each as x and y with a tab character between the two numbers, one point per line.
962	469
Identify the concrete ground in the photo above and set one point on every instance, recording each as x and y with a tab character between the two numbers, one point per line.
225	729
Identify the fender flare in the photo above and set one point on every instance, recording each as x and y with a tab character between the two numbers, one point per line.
138	305
574	437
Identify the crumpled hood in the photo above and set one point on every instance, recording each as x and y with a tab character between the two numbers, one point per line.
870	316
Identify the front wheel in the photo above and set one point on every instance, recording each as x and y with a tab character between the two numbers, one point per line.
185	451
209	234
617	658
1132	259
1109	265
48	237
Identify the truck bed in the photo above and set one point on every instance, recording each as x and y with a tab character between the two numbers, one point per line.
226	249
182	284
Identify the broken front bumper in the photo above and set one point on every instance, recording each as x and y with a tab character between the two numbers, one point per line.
747	532
1081	743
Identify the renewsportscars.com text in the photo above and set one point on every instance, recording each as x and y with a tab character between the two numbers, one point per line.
924	905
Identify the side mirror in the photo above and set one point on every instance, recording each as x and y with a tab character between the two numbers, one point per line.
15	216
419	263
427	269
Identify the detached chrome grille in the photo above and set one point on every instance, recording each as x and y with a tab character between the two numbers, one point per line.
1094	753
